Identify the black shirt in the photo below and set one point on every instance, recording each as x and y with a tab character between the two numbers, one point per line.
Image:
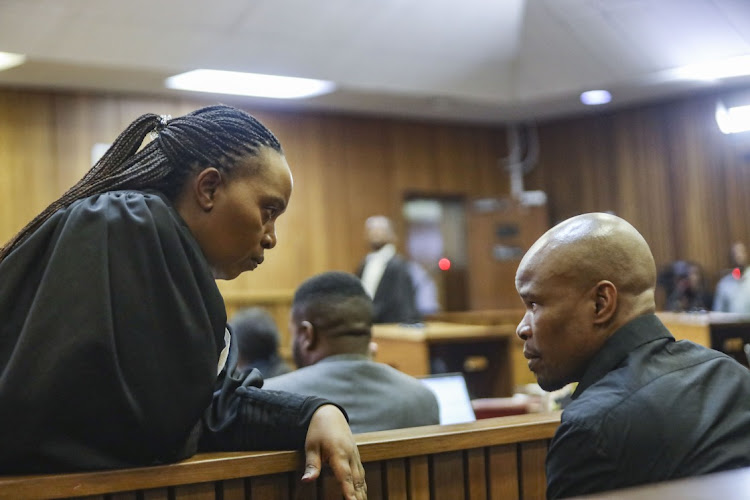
650	409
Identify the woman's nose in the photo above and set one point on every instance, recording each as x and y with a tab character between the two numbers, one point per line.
269	239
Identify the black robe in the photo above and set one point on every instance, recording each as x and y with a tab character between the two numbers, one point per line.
111	327
395	298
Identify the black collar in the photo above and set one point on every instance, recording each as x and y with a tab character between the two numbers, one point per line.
630	336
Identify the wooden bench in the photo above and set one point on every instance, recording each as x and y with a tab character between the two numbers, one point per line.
500	458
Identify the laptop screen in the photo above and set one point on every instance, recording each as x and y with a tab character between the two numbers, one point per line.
452	397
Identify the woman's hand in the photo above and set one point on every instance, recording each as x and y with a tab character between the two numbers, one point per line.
329	440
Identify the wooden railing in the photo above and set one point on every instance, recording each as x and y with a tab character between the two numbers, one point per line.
494	458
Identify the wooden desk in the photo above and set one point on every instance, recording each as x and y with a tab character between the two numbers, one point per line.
725	332
481	352
729	485
508	317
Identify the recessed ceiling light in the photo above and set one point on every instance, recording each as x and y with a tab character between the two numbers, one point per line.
595	97
250	84
733	120
714	70
9	60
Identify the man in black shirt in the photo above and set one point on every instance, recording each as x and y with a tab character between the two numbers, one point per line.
646	408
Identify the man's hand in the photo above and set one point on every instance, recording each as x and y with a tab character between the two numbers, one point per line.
330	440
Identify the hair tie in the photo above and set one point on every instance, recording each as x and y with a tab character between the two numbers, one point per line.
161	125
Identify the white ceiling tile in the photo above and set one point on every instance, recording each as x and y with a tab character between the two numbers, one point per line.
489	58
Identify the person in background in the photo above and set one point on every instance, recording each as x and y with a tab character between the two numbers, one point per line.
257	342
114	350
688	291
646	408
331	322
386	275
732	287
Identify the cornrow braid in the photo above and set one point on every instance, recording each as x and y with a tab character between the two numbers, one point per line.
218	136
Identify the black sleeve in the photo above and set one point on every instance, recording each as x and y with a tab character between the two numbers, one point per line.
243	416
407	297
577	463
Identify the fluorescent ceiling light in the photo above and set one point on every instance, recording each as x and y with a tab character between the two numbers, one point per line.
733	120
251	84
9	60
595	97
715	70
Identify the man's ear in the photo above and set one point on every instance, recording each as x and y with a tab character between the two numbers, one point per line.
205	185
309	335
605	301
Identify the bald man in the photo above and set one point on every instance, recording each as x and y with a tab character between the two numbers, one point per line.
331	324
646	408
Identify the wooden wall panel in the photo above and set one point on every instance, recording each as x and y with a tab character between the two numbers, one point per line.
374	477
345	169
396	484
664	167
476	469
503	467
419	478
534	478
274	487
447	476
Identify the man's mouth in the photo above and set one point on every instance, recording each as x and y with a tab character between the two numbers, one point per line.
533	357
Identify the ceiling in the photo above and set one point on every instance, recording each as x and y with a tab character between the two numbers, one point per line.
482	61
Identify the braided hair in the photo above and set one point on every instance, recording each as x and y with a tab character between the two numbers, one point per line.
218	136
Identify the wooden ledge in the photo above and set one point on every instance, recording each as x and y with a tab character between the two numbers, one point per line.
206	467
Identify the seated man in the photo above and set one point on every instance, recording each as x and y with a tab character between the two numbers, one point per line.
646	408
331	324
732	290
257	342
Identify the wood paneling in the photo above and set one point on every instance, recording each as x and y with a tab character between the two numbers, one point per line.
345	169
664	167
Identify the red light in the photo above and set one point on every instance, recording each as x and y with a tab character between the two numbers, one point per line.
444	264
736	273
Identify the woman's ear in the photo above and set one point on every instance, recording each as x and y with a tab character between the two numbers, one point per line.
205	185
605	301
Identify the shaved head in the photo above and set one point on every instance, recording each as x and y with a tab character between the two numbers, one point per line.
379	231
592	247
580	282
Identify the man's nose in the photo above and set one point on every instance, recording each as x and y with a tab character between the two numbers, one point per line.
523	330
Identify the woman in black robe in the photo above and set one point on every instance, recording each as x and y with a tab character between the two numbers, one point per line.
114	350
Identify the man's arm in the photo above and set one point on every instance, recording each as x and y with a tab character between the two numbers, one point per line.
578	463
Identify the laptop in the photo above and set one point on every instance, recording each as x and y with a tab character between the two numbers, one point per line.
452	397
